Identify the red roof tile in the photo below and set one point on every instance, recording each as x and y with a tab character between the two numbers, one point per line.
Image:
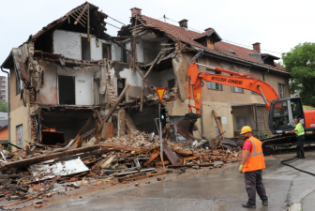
221	47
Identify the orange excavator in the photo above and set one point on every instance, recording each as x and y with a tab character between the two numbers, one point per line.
282	111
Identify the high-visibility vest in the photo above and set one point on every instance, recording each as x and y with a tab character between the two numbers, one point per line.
299	129
256	157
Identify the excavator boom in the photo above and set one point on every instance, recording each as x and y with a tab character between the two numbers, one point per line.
241	80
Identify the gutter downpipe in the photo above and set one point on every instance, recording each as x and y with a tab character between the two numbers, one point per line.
8	97
263	75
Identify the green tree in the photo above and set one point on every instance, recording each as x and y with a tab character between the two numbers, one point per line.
3	106
300	61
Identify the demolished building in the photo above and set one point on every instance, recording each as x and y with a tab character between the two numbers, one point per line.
68	77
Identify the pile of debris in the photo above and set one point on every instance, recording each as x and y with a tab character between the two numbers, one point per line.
38	170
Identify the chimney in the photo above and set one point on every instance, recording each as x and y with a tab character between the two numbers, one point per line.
256	47
183	23
135	10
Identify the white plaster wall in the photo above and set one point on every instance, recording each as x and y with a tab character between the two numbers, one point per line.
132	79
83	84
139	50
69	44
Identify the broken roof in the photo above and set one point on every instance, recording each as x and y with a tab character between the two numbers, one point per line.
83	15
221	48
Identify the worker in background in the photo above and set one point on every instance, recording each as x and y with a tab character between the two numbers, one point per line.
251	165
299	131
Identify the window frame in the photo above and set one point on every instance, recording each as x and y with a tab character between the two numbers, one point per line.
109	51
209	83
280	85
82	49
233	87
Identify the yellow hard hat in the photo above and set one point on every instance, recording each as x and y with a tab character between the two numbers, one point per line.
245	129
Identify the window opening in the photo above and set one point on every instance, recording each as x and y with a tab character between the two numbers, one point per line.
170	84
85	49
281	90
212	85
66	90
106	48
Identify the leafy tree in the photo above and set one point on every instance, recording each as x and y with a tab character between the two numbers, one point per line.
3	106
300	61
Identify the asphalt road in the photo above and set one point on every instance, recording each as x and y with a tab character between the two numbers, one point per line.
204	189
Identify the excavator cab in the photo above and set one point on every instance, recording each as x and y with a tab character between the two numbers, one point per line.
282	114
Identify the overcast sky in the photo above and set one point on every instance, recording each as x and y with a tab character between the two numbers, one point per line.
278	25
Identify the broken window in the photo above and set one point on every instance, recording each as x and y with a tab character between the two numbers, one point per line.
212	85
106	48
170	84
19	136
121	83
281	90
85	49
123	53
66	90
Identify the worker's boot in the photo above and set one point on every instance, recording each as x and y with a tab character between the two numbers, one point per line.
249	205
265	202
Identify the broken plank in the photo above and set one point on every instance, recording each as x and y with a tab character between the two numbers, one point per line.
41	158
145	80
218	123
152	65
183	152
160	163
151	158
104	146
99	116
189	166
104	130
171	155
110	130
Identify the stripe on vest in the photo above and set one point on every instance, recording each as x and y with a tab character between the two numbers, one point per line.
254	150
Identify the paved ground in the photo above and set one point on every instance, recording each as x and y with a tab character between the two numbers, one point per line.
216	189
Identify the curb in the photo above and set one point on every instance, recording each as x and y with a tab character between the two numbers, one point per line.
297	206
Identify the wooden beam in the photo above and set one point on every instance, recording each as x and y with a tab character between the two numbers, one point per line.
98	116
123	47
104	146
152	65
83	11
110	130
151	158
145	80
40	158
104	130
122	94
218	123
160	163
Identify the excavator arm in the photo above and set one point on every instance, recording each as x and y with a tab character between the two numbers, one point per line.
241	80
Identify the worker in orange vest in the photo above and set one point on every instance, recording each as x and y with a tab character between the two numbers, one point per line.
252	164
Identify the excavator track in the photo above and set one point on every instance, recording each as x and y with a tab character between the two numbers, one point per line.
286	143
